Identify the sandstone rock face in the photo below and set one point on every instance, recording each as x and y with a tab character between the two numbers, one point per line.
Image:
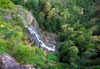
29	17
7	62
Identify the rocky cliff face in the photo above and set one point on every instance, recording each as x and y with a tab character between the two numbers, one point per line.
7	62
43	39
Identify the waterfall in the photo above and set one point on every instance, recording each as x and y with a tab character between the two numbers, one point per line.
33	32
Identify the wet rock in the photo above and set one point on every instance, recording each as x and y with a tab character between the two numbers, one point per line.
51	39
47	42
7	62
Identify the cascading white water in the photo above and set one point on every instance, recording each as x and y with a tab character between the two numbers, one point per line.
33	31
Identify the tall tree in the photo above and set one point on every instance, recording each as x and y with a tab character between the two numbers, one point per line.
47	7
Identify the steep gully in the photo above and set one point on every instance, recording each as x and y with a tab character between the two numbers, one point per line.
35	36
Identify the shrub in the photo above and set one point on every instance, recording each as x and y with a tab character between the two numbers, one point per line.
90	53
62	66
81	40
47	7
90	46
95	62
3	46
94	39
52	57
7	4
41	18
82	67
73	51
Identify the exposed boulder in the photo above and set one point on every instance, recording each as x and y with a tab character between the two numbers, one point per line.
7	62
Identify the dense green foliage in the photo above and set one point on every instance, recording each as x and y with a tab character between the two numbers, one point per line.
7	4
76	22
13	39
52	57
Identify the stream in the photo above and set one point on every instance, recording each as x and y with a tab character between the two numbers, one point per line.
34	34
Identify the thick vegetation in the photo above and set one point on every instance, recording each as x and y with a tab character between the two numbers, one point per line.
76	22
13	39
